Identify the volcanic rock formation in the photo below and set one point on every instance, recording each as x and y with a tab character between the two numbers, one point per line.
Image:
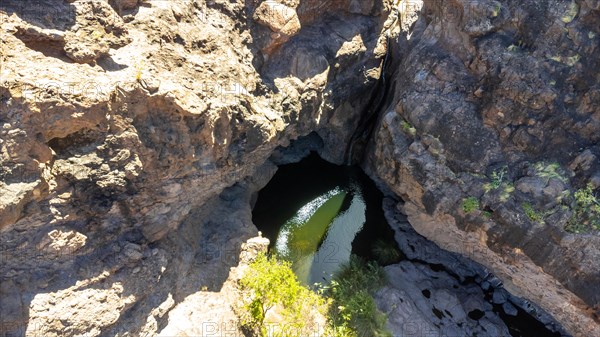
134	135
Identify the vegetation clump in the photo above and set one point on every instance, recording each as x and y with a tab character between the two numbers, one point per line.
385	253
586	211
550	171
470	204
270	289
497	8
408	128
353	311
497	181
498	178
531	213
571	12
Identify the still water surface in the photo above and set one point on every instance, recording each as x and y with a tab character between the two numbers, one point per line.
317	214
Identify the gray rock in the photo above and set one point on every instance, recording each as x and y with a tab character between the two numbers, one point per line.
519	122
447	305
509	309
499	296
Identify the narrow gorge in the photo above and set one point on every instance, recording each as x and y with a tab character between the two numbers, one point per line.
142	141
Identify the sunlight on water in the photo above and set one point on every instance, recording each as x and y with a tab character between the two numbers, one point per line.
302	217
317	214
318	238
337	246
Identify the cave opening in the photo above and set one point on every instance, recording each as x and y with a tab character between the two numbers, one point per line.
316	214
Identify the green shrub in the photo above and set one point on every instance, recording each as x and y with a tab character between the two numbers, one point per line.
470	204
497	8
586	211
548	171
408	128
496	179
531	213
269	285
506	191
353	311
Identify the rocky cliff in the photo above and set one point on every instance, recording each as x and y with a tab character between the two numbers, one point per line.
123	121
134	134
490	135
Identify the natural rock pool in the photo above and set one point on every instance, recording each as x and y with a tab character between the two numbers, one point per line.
317	214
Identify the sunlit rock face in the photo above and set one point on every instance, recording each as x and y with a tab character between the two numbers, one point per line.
124	125
121	123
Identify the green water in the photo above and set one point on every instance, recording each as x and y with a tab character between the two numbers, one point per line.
303	237
317	214
300	237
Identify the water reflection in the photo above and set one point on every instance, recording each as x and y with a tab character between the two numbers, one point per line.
317	214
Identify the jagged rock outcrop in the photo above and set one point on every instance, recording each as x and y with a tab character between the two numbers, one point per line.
125	126
492	127
121	124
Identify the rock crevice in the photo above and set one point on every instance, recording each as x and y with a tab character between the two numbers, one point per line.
125	126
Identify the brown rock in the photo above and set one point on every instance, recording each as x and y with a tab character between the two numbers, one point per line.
279	17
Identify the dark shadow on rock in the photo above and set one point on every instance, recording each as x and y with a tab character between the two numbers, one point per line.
45	14
48	21
108	64
197	256
331	53
79	31
315	49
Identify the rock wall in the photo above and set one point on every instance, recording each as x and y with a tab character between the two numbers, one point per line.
496	104
436	292
125	125
123	121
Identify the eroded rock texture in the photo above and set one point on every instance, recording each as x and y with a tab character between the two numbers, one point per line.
124	126
496	103
121	124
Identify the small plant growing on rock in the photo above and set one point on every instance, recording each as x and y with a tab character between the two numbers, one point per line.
408	128
385	253
139	69
353	312
497	177
506	191
497	8
586	211
470	204
567	60
571	12
498	181
512	48
531	213
549	171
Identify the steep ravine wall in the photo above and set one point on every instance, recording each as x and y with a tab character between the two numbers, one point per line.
125	126
498	102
